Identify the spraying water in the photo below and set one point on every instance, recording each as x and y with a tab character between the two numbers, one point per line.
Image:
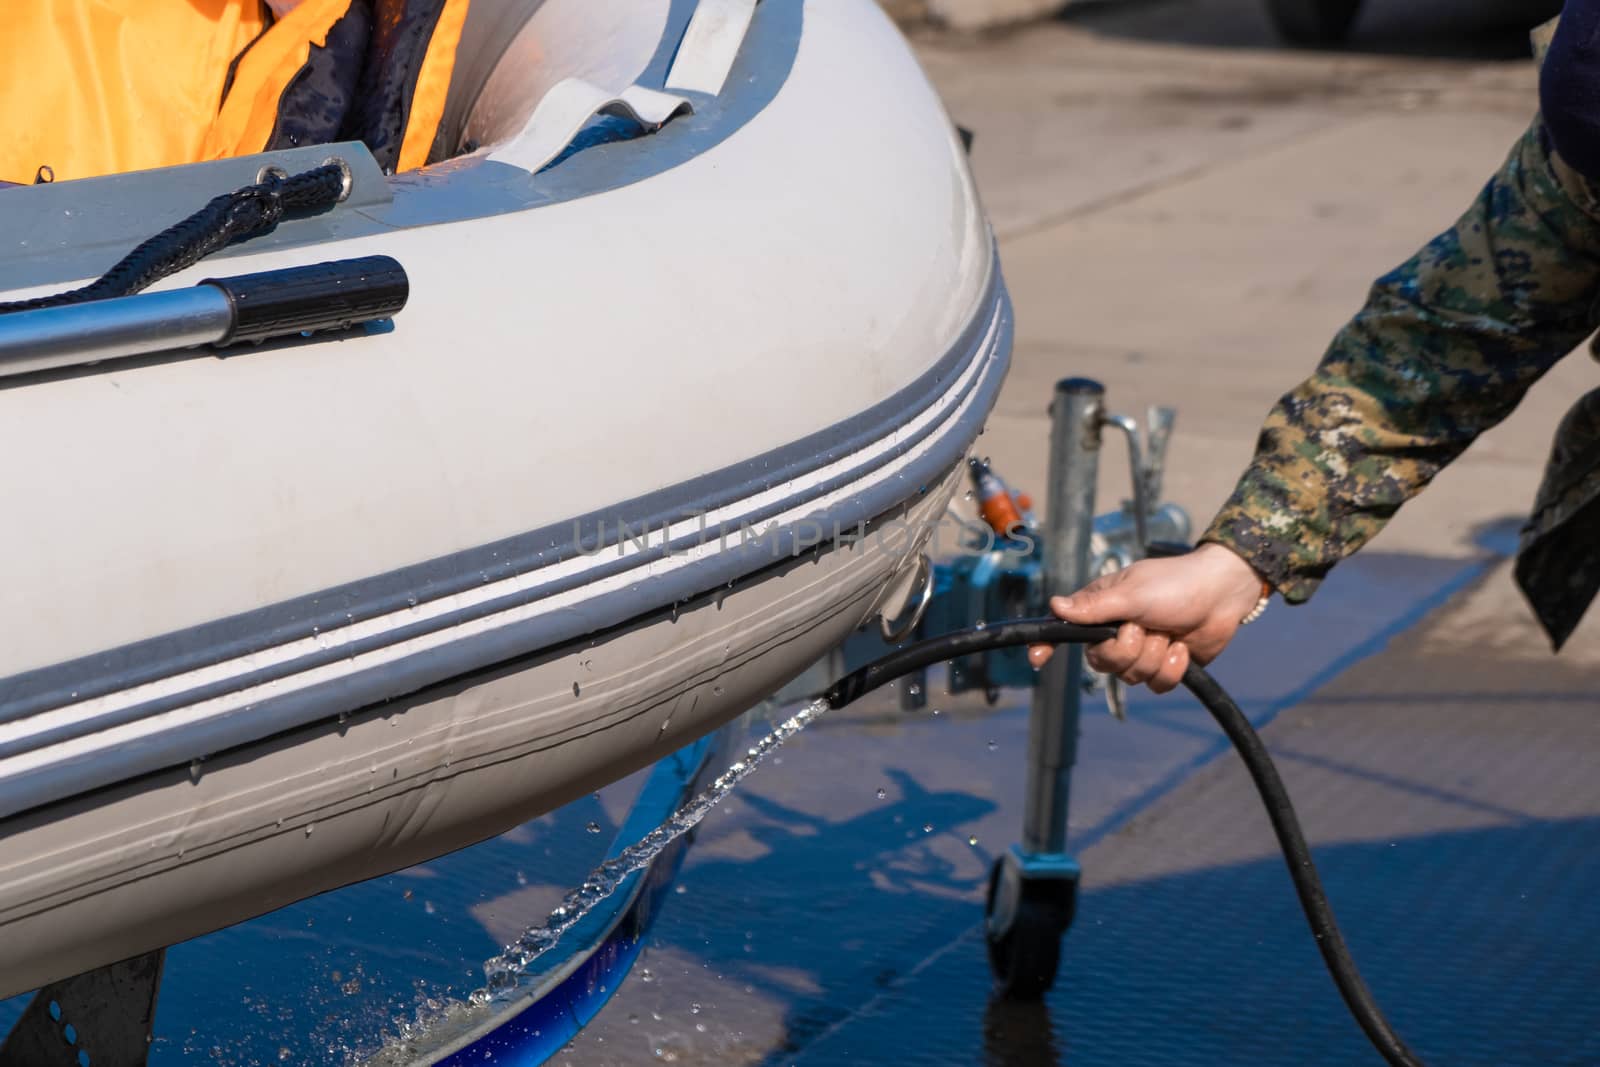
505	970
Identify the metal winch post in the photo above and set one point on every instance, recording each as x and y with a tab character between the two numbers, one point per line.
1077	414
1033	886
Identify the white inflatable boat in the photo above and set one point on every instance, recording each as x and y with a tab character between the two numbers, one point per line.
282	620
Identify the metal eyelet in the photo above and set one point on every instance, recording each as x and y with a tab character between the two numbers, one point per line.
271	170
347	175
924	579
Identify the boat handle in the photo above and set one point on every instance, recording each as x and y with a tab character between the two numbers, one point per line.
924	581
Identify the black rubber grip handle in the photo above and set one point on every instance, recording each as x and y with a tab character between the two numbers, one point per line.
325	296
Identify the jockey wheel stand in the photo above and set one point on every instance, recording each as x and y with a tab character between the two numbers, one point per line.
1033	887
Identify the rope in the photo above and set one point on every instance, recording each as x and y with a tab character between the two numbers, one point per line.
228	218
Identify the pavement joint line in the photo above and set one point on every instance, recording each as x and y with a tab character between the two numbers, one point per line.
1444	796
1515	697
892	987
1133	194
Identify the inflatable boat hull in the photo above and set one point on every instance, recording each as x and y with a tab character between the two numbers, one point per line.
659	427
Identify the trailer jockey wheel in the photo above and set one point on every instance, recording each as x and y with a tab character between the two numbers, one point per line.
1310	23
1024	922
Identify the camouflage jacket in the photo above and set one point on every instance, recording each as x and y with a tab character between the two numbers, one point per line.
1445	347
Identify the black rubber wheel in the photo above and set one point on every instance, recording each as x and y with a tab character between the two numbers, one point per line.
1027	954
1311	23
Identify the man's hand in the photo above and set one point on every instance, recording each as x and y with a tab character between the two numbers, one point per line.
1172	610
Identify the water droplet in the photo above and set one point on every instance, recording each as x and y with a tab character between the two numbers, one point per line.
973	841
194	769
980	625
882	793
522	879
574	688
646	976
283	1053
310	826
694	1009
700	1027
993	744
593	827
927	827
914	689
406	895
352	987
427	905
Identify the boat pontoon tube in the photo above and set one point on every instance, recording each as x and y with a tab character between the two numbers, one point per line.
669	409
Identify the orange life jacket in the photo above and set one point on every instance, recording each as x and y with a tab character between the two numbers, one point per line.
93	87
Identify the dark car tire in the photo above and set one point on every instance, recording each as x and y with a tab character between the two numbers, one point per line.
1311	23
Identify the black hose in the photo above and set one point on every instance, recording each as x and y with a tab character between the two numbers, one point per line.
1291	839
231	217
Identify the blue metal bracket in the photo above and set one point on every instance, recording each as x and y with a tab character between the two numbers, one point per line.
1004	578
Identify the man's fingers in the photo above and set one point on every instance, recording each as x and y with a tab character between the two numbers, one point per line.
1173	666
1039	655
1151	656
1116	656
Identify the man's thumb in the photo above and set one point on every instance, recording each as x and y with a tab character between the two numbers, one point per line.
1091	607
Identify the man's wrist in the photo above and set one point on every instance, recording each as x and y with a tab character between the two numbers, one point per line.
1243	587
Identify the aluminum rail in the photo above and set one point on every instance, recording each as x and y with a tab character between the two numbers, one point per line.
69	336
217	311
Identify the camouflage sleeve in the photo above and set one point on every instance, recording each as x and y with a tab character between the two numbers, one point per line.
1446	346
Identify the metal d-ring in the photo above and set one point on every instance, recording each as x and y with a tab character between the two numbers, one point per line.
925	580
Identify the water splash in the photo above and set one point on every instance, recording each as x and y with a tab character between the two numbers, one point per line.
504	971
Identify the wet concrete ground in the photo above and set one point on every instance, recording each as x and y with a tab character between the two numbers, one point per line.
1446	789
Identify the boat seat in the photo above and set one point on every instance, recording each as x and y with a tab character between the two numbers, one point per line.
513	53
488	32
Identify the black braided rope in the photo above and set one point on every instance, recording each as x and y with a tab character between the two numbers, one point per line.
231	217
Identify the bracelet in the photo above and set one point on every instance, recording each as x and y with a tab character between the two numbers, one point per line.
1261	605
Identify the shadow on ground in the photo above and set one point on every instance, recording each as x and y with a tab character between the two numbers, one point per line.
1454	29
1481	944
